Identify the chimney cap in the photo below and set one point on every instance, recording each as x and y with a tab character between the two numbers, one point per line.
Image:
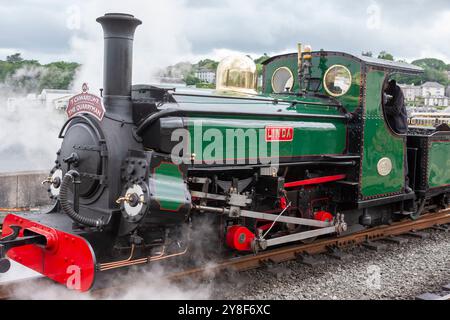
119	25
119	16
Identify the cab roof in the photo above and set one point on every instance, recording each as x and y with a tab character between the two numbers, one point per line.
400	66
391	66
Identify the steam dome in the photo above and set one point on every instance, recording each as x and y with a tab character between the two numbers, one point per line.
237	73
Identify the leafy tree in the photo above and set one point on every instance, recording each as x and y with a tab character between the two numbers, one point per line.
367	53
431	63
385	56
259	62
192	80
30	76
17	57
58	75
261	59
208	63
434	70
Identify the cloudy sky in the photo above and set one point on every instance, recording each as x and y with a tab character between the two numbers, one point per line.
175	30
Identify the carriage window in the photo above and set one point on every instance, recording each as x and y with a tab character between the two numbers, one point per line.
282	80
337	80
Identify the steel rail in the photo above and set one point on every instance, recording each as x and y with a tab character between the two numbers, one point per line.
321	246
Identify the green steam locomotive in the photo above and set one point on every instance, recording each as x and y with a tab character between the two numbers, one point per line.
310	155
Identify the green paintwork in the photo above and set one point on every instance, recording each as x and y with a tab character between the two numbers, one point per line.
379	142
320	64
312	137
243	138
286	103
439	164
351	100
169	186
290	62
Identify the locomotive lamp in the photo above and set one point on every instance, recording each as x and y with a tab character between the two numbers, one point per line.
305	67
307	53
237	74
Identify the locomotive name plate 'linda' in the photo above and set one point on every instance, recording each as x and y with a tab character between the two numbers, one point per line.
285	134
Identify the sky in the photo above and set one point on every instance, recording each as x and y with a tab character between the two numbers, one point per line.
187	30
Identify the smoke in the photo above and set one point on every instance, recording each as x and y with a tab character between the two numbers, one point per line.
137	284
152	285
28	129
158	42
23	80
29	133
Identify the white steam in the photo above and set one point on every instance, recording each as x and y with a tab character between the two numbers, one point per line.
158	42
137	284
28	129
29	134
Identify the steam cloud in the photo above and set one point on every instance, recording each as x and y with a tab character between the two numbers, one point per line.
29	134
141	285
28	130
159	41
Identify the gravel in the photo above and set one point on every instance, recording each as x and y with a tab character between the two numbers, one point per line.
398	272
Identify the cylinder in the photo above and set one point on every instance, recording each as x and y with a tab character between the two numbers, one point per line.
118	30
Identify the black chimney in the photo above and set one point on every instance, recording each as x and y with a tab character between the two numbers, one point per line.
118	30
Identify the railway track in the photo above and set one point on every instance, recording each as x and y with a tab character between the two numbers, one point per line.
277	255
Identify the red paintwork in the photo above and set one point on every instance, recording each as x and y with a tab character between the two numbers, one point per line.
265	227
64	256
323	216
235	241
313	181
283	203
86	103
282	134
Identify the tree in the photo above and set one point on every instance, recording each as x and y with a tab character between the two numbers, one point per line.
434	70
208	64
30	76
367	53
385	56
261	59
192	80
14	58
431	63
259	62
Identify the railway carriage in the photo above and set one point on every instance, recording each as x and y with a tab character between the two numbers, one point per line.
311	155
423	119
